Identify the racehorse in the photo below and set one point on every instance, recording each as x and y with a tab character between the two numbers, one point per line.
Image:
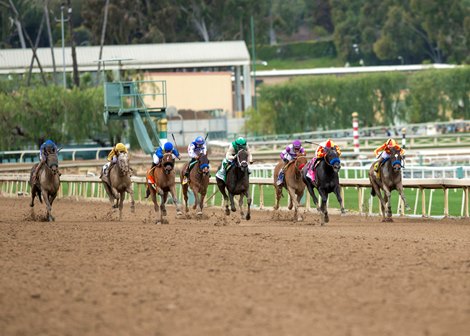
292	182
120	183
164	176
388	178
237	182
326	181
198	181
47	182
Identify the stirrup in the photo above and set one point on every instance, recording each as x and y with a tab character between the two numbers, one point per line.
185	180
279	182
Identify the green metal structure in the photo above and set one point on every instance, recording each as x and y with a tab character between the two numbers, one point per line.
141	101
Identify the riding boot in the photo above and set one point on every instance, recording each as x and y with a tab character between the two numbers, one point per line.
147	192
378	164
186	176
280	178
221	172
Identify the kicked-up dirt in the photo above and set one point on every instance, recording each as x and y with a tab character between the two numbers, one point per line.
89	274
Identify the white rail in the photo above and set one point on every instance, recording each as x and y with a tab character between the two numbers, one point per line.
91	186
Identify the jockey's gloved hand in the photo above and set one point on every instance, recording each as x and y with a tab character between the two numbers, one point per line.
286	161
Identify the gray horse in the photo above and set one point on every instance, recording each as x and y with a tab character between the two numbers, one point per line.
120	183
47	183
387	179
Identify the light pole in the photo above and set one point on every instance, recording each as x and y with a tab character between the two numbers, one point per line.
63	42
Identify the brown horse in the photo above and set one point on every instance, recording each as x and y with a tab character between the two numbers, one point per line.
164	176
47	182
120	183
388	178
292	182
198	181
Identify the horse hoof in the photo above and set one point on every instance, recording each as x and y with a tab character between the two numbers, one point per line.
199	214
158	222
132	209
227	212
300	219
327	219
179	213
163	212
343	212
233	209
248	217
51	219
290	207
407	208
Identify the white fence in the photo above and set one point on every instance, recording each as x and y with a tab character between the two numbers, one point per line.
92	187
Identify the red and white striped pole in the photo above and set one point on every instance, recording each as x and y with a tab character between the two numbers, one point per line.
356	132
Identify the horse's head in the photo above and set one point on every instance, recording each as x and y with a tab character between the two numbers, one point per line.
168	162
300	162
332	159
242	159
123	163
203	164
395	159
52	161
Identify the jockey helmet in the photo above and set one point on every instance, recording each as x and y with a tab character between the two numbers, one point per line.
391	143
49	143
241	142
199	141
168	146
296	144
120	147
328	143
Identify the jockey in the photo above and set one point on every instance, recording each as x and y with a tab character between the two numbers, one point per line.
385	154
157	156
320	153
167	148
325	145
112	159
289	154
195	149
47	147
232	152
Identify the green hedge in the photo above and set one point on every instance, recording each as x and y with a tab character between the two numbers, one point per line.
327	102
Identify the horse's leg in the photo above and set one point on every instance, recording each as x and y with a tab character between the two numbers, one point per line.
378	193
33	195
323	208
293	202
201	200
232	202
175	200
121	203
387	198
163	204
156	207
248	203
402	195
240	205
221	186
185	196
48	206
339	198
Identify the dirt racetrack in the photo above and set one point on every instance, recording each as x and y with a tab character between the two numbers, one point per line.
88	274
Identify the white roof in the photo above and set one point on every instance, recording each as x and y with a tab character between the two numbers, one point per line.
140	56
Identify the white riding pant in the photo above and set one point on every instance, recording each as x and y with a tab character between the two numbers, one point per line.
384	155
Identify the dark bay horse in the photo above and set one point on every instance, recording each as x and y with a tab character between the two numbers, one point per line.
164	176
292	182
388	178
47	182
326	181
120	183
237	182
198	182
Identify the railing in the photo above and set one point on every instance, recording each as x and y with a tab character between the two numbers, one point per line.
421	129
409	172
22	156
262	192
